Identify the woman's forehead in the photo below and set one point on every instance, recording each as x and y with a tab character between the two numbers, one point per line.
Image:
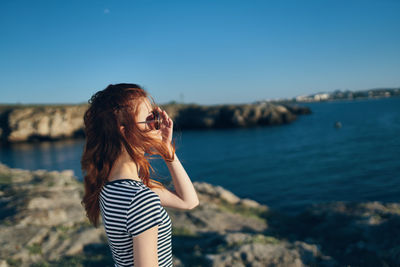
146	105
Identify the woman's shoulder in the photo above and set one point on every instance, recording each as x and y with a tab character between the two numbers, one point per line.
136	190
129	183
146	192
147	196
126	187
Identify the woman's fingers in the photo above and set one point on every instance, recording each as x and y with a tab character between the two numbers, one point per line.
162	112
167	120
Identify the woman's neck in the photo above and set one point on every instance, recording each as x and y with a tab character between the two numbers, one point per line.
124	168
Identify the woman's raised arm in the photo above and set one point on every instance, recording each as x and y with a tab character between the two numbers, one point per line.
184	197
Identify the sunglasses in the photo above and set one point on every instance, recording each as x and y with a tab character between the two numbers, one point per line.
153	120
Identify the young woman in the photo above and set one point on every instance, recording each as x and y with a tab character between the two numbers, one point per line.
122	125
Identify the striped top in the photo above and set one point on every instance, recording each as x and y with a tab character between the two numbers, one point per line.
128	207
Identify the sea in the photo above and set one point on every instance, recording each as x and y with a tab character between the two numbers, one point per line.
287	167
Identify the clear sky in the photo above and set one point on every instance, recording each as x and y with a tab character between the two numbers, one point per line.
205	52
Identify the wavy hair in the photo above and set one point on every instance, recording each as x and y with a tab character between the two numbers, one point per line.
109	109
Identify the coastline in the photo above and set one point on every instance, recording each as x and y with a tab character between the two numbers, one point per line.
30	123
43	222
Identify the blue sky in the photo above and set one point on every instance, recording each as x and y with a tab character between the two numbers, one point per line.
206	52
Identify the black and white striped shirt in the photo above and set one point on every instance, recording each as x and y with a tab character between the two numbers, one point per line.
128	207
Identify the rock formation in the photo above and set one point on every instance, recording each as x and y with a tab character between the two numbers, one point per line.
29	123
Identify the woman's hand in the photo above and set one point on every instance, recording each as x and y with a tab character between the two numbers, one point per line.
166	127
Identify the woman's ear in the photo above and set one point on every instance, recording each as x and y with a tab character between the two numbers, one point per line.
122	129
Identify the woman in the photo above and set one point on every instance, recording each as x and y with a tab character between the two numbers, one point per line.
121	125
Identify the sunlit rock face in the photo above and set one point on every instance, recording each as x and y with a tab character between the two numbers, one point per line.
44	123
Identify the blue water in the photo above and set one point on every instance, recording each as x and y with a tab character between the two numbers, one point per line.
285	167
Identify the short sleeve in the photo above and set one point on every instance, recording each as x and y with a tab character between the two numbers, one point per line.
143	212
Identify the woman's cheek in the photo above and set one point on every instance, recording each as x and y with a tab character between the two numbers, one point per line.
156	134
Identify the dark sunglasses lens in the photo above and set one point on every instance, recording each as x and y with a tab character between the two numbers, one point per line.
156	120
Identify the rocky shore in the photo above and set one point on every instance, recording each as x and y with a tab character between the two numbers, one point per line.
21	123
42	223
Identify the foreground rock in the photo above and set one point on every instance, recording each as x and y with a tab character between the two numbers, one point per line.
29	123
43	223
355	234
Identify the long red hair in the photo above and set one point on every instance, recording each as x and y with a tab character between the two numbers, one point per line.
109	109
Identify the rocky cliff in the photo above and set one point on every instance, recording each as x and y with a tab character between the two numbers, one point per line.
42	223
28	123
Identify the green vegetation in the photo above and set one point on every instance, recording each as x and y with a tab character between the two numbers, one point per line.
96	255
258	238
263	239
35	248
246	211
63	231
7	222
5	178
92	256
78	261
84	224
13	262
40	264
183	231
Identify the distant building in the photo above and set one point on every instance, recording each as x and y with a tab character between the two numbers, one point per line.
303	98
340	95
320	97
